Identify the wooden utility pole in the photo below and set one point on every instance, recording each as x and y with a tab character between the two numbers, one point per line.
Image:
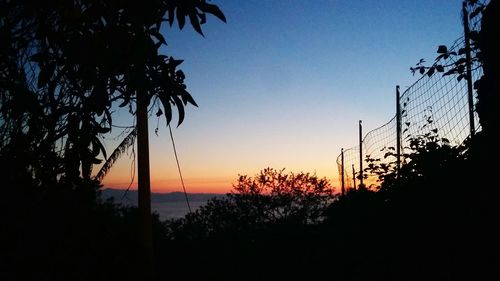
144	191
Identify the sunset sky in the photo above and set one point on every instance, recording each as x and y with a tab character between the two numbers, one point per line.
283	85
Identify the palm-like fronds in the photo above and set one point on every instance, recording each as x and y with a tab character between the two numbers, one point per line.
127	142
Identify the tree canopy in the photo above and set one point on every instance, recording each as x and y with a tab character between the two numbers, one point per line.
64	64
272	197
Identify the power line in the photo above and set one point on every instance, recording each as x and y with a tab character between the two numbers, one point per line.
179	167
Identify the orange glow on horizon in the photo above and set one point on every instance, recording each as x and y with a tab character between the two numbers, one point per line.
193	185
216	175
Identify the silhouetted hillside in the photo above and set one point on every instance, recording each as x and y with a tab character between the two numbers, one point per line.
131	196
171	205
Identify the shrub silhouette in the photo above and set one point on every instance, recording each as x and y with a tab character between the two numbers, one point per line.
424	224
271	197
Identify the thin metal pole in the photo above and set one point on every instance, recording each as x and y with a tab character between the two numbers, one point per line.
361	155
342	177
398	131
469	70
354	176
144	191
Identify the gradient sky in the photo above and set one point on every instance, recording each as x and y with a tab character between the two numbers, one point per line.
284	83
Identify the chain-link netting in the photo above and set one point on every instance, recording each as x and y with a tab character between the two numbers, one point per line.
435	103
351	167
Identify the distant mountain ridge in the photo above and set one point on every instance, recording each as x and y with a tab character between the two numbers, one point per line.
131	196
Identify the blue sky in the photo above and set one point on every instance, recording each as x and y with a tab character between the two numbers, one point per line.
284	83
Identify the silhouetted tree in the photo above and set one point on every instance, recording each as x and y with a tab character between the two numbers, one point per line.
65	63
272	197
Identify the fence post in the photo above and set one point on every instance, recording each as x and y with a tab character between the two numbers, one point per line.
342	177
354	176
398	131
468	65
360	155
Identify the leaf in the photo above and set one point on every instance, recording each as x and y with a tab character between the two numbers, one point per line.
95	151
166	106
451	71
434	130
439	68
125	102
476	12
171	12
203	18
193	18
160	37
186	97
442	49
422	70
460	61
388	154
439	57
159	112
97	142
175	63
180	18
180	75
430	71
214	10
180	109
107	113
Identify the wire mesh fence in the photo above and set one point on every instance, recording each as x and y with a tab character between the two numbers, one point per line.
434	103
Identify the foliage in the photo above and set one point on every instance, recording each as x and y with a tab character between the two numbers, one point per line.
272	197
292	196
120	149
64	67
434	220
427	155
483	51
60	234
426	221
64	64
458	64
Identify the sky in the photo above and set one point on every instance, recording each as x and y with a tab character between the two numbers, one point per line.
283	84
